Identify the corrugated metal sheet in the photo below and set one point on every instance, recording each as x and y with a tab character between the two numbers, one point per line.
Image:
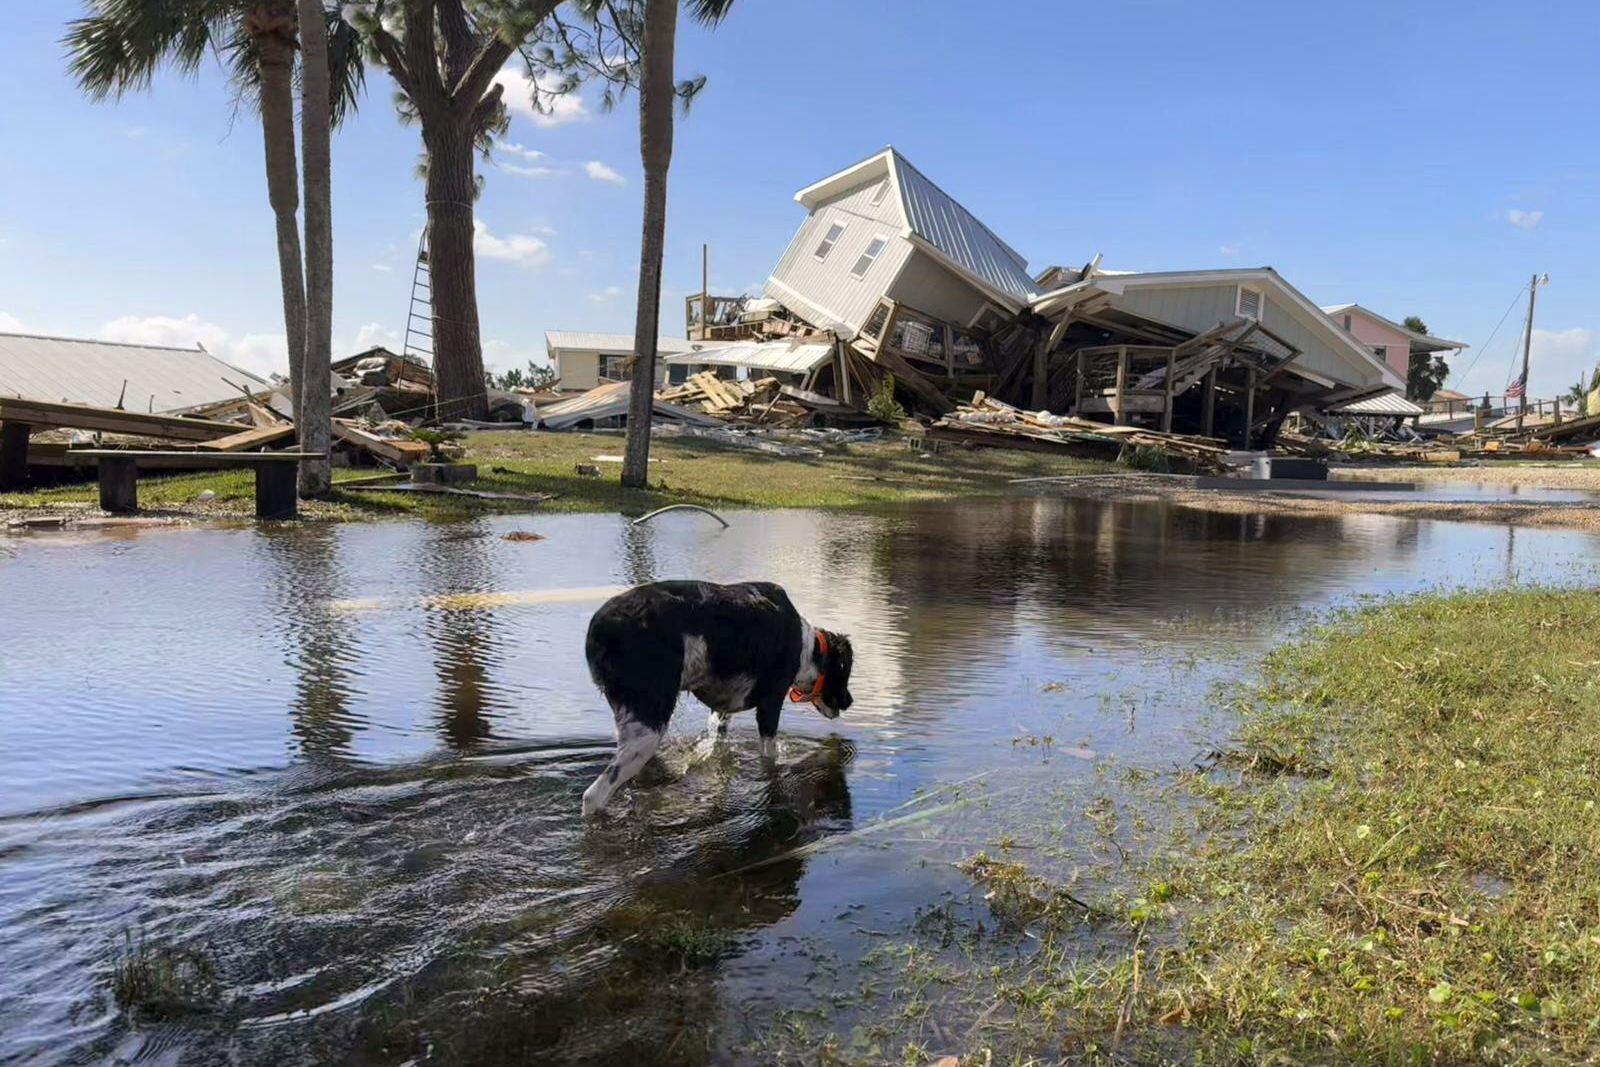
1386	404
609	402
92	372
610	344
937	218
795	357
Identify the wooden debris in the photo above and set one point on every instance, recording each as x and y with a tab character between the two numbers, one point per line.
39	413
987	421
391	449
750	400
250	439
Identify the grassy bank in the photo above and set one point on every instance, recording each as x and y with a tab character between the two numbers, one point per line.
683	470
1394	860
1402	860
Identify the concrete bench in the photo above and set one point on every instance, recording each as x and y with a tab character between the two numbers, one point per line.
276	474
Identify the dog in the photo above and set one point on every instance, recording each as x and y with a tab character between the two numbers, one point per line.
735	647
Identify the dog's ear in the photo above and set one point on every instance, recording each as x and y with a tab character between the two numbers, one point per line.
836	672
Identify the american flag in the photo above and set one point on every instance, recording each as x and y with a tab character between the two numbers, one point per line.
1515	388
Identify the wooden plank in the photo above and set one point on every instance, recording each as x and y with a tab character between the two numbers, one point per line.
14	454
119	483
1041	372
248	439
1166	412
1249	406
188	460
1122	383
84	417
1083	368
914	381
395	451
1208	404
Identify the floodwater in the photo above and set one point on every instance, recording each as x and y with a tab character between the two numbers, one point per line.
335	770
1463	491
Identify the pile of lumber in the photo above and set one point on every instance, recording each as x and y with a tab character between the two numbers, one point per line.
760	400
990	422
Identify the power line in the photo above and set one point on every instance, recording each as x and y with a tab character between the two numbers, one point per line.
1485	347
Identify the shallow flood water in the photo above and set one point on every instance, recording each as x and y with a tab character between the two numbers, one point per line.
341	765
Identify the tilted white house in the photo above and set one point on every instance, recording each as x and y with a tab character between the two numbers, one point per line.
882	228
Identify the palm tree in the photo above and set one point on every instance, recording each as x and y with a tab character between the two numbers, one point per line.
313	405
118	45
657	93
444	61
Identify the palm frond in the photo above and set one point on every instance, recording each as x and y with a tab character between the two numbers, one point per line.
120	44
709	12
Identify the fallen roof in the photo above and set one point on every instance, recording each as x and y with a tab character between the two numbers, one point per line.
1294	301
80	371
607	344
607	402
795	356
1382	404
1420	342
939	225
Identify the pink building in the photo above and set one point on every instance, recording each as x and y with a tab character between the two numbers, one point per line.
1388	340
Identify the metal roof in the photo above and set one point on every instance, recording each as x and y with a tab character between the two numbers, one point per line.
956	233
793	356
1383	404
609	344
92	372
610	401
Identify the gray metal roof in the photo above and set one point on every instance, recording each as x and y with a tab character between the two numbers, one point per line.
611	401
796	356
936	217
92	372
1383	404
610	344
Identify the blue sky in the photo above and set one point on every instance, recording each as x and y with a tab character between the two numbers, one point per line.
1420	158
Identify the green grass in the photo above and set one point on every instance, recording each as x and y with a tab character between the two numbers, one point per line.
1395	860
689	470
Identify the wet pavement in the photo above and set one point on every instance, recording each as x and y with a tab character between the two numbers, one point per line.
337	768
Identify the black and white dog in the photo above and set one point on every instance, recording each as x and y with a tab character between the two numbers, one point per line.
734	647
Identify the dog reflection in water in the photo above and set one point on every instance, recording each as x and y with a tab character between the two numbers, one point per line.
735	647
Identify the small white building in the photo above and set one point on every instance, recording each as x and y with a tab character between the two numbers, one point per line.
880	228
584	359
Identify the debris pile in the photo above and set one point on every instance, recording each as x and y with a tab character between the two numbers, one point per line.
993	423
760	400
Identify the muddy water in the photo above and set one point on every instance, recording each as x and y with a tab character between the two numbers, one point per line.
335	771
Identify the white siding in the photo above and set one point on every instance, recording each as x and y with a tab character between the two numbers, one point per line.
578	370
1200	307
823	291
929	287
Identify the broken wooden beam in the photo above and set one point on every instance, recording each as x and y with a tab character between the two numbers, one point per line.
245	440
111	420
394	450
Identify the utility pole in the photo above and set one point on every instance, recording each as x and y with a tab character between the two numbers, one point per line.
1527	343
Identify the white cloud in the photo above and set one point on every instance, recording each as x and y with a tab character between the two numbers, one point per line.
11	324
521	150
606	295
502	356
1557	358
262	353
558	111
375	334
1526	220
1229	250
384	267
602	173
539	171
520	248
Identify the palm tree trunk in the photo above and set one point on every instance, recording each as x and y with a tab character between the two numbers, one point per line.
457	350
275	63
313	406
655	150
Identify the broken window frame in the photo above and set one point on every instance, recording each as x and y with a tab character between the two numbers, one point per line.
829	239
621	365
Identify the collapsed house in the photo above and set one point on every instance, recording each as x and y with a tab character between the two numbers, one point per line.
890	276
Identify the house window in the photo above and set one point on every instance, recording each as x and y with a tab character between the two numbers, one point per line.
865	262
616	368
1249	304
1347	323
1382	352
835	231
677	373
875	322
880	192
